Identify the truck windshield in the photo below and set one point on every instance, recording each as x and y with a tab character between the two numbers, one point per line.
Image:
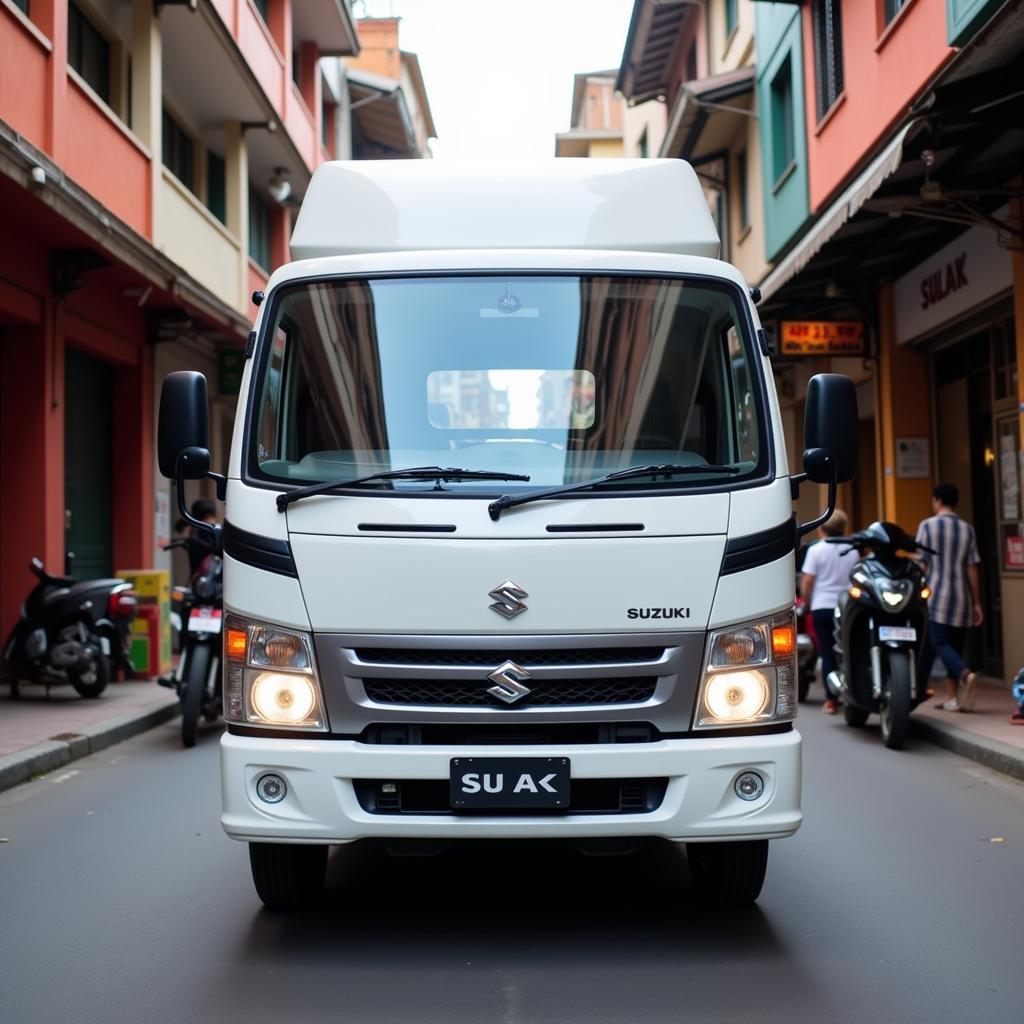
559	378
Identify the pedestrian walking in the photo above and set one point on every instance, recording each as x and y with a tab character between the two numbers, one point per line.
955	604
826	574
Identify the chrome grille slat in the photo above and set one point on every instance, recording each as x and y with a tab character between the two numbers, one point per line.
557	693
469	658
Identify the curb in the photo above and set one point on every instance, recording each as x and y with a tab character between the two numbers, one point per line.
64	748
992	753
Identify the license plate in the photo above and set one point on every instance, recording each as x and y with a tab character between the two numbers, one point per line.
507	783
897	633
205	620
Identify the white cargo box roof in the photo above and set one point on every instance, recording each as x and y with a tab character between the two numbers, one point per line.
367	206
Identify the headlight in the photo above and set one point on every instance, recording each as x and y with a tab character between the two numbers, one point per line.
894	595
270	677
749	674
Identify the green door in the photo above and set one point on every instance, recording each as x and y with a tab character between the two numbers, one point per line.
88	465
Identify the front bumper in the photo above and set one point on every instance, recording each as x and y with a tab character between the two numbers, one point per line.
699	802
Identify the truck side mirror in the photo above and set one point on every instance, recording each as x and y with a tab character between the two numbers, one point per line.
831	428
184	425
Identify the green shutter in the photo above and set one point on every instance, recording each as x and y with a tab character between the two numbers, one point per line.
216	190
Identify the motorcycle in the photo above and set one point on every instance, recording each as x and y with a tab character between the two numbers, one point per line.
199	617
881	625
70	631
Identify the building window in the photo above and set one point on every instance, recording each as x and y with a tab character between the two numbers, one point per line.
179	152
783	121
259	230
261	6
828	53
691	62
741	190
892	8
88	52
22	6
732	17
216	187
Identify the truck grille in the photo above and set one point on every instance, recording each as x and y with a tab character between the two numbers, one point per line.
528	658
588	796
473	693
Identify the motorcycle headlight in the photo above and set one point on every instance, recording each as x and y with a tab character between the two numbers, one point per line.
894	595
749	675
271	678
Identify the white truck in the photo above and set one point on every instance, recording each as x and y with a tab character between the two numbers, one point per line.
509	541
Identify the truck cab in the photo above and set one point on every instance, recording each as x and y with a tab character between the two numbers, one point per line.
509	541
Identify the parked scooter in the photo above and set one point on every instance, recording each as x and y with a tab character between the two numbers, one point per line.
881	629
199	610
70	631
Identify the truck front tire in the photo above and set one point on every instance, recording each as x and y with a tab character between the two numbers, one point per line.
287	876
728	874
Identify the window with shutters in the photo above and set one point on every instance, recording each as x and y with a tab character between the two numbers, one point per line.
259	230
179	152
828	54
783	122
88	52
892	8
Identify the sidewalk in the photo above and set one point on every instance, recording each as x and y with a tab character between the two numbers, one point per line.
38	734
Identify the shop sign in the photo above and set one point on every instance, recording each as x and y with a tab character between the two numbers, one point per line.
968	271
913	461
1014	553
822	338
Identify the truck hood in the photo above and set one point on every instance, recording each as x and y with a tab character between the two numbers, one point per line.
611	565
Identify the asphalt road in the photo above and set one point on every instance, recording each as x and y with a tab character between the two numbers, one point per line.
122	900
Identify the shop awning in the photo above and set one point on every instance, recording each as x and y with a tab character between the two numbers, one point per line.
856	195
703	120
381	116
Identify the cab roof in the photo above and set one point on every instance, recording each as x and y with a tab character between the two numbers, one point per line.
371	206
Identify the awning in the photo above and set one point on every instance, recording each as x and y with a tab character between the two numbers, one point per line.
702	121
381	115
856	195
578	141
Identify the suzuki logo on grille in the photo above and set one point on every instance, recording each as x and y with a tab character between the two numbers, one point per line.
509	678
508	599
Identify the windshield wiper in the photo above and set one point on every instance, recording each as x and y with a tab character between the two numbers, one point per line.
509	501
435	473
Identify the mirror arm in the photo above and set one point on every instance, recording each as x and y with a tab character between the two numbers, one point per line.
794	484
833	487
212	530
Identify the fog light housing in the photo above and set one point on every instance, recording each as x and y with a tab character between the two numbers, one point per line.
271	789
749	786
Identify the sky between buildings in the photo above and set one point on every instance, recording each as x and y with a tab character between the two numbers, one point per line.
499	72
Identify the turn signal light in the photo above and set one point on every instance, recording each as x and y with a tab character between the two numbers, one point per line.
783	641
926	592
235	641
855	592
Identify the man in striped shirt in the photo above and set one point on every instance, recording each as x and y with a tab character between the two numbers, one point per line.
955	604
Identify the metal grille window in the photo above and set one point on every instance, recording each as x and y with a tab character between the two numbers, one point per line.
179	152
783	121
828	53
88	52
893	7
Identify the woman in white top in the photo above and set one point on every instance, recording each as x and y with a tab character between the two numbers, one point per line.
826	574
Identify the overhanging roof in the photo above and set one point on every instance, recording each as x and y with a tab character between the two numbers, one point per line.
328	23
412	63
698	126
579	89
381	115
650	43
863	187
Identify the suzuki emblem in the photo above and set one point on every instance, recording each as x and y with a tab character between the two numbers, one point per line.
508	679
508	599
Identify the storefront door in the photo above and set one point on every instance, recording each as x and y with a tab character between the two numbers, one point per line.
88	464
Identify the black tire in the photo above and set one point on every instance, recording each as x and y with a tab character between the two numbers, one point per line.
99	677
854	717
287	876
213	705
193	692
894	707
728	874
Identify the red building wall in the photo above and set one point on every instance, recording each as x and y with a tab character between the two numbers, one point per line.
885	68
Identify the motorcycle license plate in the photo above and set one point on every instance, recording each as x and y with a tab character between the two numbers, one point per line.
205	620
897	633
